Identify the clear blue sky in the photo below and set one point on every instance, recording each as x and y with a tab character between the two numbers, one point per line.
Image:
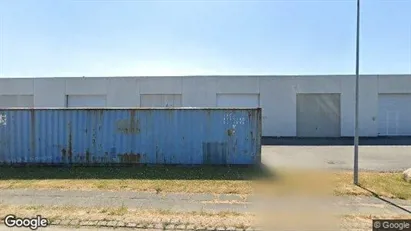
106	38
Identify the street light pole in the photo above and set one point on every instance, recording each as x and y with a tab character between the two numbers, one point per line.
357	77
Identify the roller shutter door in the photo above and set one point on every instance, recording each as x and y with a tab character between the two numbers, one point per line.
318	115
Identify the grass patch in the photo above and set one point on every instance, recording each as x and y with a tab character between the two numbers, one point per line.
389	185
209	179
220	180
119	211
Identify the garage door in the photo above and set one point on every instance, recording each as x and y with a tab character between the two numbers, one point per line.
16	101
160	100
238	100
394	114
318	115
86	101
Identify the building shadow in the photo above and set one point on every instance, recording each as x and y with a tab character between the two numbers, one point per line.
336	141
384	200
137	172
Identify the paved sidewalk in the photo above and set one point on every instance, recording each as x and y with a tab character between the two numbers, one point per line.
140	200
196	202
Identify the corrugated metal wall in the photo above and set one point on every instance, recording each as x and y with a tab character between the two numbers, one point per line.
147	136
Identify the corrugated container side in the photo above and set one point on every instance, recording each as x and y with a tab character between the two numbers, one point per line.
130	136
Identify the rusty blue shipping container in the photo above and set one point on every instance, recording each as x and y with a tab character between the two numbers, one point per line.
130	136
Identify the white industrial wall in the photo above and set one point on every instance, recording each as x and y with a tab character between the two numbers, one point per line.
277	94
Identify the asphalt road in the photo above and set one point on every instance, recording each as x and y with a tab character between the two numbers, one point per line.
373	158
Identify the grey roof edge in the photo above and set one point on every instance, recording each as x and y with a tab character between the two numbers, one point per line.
207	76
129	108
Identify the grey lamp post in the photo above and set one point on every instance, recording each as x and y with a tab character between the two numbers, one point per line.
357	70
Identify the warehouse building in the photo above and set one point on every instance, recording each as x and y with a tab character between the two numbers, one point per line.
293	106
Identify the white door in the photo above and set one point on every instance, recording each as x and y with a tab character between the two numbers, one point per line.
238	100
394	114
160	100
86	101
